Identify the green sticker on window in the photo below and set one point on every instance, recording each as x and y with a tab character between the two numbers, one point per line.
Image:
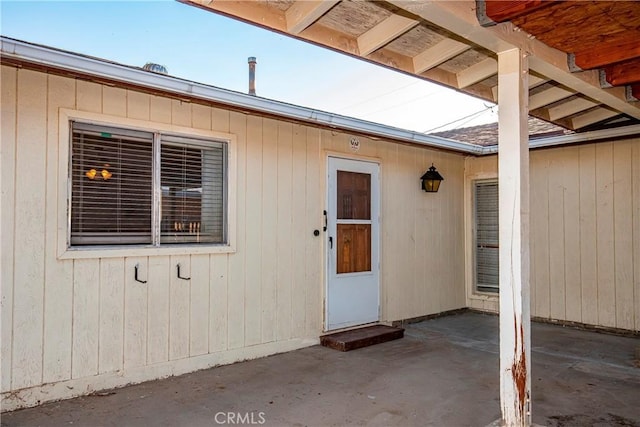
105	134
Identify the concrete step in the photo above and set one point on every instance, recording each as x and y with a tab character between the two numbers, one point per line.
361	337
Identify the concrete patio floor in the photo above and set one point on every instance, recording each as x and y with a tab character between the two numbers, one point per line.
443	373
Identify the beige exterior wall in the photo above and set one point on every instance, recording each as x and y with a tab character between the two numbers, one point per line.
585	233
72	324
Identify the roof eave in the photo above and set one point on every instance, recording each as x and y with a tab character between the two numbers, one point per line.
63	60
47	57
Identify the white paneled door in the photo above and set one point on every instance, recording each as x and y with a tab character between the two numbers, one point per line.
353	234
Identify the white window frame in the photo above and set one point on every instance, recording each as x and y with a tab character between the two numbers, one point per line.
475	237
475	298
66	251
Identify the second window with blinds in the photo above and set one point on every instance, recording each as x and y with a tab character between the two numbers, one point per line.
130	187
487	250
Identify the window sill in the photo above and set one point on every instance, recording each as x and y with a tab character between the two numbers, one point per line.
131	251
484	295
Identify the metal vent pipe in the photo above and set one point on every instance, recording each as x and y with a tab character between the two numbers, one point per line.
252	75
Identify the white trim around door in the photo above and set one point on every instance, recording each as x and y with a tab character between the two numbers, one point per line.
352	293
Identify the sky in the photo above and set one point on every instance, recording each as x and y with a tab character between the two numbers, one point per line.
208	48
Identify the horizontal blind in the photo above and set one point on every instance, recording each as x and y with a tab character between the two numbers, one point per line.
193	190
487	243
112	181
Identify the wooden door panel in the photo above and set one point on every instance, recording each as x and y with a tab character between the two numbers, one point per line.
354	195
354	248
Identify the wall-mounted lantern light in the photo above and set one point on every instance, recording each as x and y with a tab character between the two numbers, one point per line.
431	180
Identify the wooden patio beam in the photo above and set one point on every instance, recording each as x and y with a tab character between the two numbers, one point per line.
477	72
569	108
459	17
436	55
506	10
635	91
607	53
623	73
548	96
303	13
387	30
591	117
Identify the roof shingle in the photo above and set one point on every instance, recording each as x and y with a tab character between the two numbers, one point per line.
487	135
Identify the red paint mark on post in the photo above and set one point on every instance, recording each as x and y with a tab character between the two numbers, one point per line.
519	373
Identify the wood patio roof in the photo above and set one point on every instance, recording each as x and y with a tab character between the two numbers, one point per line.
584	56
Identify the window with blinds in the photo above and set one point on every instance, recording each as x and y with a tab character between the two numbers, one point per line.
487	248
132	187
192	176
111	191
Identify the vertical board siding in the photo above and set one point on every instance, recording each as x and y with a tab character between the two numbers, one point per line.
269	232
219	267
556	249
158	303
402	228
199	308
421	272
138	105
540	234
313	248
29	240
605	235
443	225
571	203
180	113
8	115
220	119
299	232
588	236
88	96
114	101
623	234
160	109
200	117
58	291
179	300
237	266
388	241
584	233
635	182
111	335
284	236
86	317
218	314
135	312
439	227
253	279
455	215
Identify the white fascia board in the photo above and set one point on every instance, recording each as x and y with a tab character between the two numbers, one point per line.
63	60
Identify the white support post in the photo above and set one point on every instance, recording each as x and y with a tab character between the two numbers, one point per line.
513	176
